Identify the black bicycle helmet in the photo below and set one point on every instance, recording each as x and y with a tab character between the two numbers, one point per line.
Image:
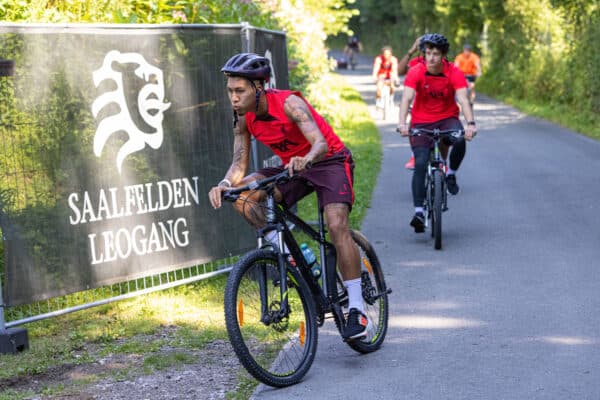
248	65
435	40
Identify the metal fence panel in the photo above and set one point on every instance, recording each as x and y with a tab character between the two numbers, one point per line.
110	138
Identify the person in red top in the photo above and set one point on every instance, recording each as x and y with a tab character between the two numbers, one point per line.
406	62
403	65
288	124
435	86
385	70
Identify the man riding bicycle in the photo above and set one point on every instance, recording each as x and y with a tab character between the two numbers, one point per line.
288	124
470	64
352	48
434	85
385	71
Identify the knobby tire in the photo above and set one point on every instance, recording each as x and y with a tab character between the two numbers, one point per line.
373	285
277	354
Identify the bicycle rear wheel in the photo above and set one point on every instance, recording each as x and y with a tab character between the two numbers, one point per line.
436	224
276	350
375	297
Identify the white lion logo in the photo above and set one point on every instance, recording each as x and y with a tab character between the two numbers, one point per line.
272	84
150	98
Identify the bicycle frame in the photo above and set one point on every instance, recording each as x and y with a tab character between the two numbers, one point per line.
436	162
325	296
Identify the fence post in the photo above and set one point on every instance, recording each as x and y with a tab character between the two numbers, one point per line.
12	340
248	33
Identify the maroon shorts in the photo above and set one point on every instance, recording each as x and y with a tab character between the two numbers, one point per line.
444	124
330	178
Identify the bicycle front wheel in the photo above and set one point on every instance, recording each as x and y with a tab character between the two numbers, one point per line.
436	224
275	347
375	296
388	105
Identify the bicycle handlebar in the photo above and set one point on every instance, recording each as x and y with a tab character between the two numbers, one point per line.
261	184
437	132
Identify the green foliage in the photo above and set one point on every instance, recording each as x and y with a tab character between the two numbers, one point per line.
135	11
537	52
307	24
351	120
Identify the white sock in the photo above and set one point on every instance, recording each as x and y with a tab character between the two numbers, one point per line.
419	210
273	237
355	294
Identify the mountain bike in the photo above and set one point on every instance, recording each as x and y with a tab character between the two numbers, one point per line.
274	304
436	195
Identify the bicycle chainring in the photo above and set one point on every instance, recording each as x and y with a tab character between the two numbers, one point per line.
369	292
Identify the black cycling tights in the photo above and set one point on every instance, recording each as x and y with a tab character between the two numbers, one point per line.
421	154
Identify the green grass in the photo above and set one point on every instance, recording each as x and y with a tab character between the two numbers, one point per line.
348	114
191	315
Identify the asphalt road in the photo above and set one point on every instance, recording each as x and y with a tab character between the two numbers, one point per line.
510	307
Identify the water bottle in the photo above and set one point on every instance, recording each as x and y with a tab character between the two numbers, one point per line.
311	260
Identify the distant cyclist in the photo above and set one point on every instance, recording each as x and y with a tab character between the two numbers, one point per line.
385	71
353	47
470	64
434	85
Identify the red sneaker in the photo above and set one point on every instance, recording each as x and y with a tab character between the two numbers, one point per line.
410	164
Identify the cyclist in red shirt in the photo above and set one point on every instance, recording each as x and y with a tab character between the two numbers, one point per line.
435	86
385	70
284	121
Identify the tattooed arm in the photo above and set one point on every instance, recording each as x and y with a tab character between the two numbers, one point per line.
241	153
297	111
239	164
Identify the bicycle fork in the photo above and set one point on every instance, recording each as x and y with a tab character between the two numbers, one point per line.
272	312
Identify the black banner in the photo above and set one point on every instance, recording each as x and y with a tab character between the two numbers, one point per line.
111	137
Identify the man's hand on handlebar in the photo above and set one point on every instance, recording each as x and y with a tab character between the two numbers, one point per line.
403	129
470	132
298	164
215	195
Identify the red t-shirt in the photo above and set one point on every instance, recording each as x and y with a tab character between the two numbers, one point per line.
282	135
415	61
385	67
435	94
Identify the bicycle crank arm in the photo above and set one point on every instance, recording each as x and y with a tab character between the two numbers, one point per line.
377	296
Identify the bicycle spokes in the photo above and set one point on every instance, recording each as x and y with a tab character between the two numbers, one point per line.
374	293
273	329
